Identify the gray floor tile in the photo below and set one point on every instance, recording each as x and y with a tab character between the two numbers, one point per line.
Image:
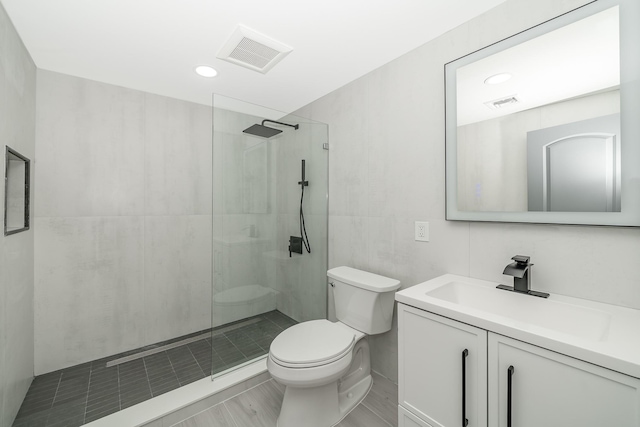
257	407
132	378
103	393
134	389
162	378
92	416
33	420
218	416
86	392
26	411
189	380
361	416
382	400
67	414
98	385
110	401
134	401
157	391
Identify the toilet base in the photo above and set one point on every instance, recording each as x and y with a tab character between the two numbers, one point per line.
328	406
352	397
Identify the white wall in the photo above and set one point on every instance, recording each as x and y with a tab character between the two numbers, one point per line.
17	130
122	218
386	132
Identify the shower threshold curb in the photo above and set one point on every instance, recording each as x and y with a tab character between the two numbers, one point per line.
179	404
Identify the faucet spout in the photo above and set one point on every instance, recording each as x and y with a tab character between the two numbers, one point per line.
521	272
517	270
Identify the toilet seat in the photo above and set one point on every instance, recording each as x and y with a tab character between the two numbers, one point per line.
313	343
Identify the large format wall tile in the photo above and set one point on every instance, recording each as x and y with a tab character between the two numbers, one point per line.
387	171
346	111
111	161
348	241
90	148
89	297
4	419
18	316
585	262
17	130
177	160
177	276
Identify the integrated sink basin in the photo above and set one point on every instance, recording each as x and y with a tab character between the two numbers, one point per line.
603	334
582	322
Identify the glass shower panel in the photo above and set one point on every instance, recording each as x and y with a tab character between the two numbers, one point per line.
259	287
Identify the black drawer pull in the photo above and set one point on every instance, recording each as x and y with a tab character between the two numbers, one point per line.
509	380
465	421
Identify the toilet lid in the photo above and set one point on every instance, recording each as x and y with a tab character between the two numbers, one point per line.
312	343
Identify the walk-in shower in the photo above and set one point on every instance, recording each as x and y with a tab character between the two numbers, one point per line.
269	186
199	281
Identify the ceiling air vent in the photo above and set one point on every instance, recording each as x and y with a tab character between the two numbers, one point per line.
253	50
507	101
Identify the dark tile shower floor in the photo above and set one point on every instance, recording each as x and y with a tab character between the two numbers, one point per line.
83	393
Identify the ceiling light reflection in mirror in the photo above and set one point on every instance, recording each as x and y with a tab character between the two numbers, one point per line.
574	60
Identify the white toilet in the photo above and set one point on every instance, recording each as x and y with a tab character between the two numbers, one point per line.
325	366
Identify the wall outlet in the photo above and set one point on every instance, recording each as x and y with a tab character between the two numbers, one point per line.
422	231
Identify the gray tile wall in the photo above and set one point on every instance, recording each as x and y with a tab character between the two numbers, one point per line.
17	129
387	171
123	213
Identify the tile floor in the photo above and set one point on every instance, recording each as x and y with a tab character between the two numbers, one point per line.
260	406
83	393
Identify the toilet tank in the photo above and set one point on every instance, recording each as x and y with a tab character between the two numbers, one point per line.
363	300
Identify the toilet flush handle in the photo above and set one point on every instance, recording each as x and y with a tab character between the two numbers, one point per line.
332	285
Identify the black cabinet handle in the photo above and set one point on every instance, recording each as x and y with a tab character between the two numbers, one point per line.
509	380
465	421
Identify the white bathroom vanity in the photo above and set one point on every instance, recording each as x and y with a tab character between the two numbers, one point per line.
473	355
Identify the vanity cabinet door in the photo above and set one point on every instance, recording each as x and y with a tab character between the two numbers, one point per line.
407	419
435	354
552	390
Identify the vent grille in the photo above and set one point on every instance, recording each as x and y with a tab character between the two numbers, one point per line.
253	50
253	53
498	104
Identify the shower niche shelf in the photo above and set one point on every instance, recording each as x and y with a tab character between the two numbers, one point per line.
16	192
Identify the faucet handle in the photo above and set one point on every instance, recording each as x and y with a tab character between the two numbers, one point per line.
521	259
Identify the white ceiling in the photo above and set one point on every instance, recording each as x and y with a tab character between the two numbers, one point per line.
571	61
154	45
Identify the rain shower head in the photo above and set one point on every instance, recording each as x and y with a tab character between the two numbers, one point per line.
265	131
262	131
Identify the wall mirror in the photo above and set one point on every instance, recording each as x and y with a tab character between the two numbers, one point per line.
16	192
543	126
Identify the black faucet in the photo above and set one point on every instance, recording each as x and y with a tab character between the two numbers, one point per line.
521	272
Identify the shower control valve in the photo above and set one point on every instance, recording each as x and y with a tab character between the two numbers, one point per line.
295	245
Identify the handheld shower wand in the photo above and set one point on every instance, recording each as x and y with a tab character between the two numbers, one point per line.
296	243
303	182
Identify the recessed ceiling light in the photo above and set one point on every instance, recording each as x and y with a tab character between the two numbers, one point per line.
498	78
206	71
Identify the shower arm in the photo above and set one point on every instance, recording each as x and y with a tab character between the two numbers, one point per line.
296	126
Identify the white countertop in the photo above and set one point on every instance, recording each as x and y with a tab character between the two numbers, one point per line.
602	334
